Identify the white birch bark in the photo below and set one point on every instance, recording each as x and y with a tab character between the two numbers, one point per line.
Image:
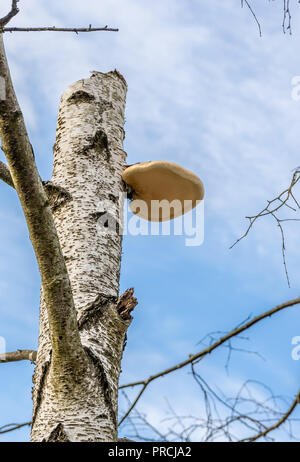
81	405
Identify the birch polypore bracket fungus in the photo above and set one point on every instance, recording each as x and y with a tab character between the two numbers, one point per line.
162	190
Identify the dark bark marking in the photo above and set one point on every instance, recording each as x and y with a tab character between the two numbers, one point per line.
128	190
45	369
125	440
102	417
80	96
58	434
104	384
107	220
124	346
113	198
99	142
96	308
57	195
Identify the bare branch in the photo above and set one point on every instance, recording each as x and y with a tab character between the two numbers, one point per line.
19	355
287	16
60	29
5	174
280	421
55	280
193	359
222	418
11	427
272	208
145	423
132	406
253	14
13	12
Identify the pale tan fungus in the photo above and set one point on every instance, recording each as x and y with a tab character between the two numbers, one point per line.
162	181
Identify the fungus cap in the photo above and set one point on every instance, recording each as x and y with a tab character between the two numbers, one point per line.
162	190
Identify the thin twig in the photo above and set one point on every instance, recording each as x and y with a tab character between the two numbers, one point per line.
271	209
134	402
253	14
287	16
11	427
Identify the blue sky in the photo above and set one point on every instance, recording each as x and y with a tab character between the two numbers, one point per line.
205	91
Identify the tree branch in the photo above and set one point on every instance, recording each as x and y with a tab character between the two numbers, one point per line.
19	355
57	195
55	280
5	174
13	12
193	359
253	14
60	29
286	12
11	427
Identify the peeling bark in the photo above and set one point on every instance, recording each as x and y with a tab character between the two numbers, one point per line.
88	163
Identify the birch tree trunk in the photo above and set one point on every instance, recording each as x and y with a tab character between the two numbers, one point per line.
78	402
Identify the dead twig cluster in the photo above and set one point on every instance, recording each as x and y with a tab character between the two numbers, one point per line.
287	200
251	414
195	358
